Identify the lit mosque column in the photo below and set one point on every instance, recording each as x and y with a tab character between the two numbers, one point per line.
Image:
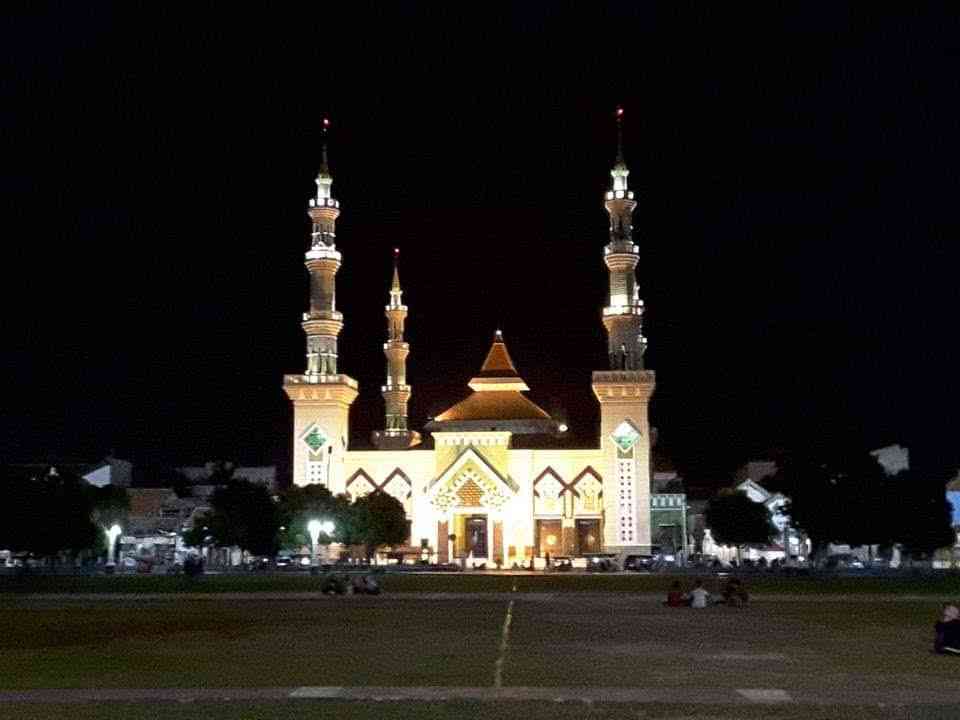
396	393
322	395
323	323
623	315
625	389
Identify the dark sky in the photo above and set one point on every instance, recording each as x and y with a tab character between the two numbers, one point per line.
798	185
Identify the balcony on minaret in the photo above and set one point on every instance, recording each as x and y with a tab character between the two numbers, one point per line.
624	309
318	379
618	248
321	251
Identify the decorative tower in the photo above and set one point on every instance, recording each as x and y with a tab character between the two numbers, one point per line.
321	397
396	393
624	391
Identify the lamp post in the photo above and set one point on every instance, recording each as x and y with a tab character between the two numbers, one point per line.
112	533
315	527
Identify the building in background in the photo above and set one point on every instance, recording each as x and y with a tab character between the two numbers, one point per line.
892	458
487	481
788	546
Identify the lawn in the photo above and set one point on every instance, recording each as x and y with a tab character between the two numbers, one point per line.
934	584
566	641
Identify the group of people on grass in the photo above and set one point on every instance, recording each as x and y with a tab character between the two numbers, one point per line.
732	595
947	630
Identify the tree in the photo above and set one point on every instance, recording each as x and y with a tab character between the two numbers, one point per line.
847	497
867	498
300	505
372	521
814	501
47	515
734	519
108	506
923	515
242	514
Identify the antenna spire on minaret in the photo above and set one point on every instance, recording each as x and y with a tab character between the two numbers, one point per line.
396	272
324	130
619	115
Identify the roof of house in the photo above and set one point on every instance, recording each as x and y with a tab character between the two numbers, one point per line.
148	501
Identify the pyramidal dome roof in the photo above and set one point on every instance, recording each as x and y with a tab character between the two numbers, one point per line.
496	402
498	373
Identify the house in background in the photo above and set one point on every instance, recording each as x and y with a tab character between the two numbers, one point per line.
788	545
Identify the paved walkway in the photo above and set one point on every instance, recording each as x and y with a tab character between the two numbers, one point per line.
626	695
566	596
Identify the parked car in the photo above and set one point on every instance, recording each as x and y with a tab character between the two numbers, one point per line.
844	561
602	562
641	563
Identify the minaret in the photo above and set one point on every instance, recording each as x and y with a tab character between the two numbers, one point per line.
396	393
323	323
321	397
623	316
624	391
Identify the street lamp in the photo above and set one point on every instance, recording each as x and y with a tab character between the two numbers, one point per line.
112	533
315	527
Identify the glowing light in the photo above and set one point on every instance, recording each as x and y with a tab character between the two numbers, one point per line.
551	540
562	428
326	122
619	112
112	533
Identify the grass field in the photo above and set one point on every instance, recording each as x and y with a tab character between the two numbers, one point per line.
938	584
565	640
570	640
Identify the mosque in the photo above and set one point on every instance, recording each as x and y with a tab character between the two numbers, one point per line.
484	491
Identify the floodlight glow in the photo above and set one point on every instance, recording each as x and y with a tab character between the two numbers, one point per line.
314	527
112	533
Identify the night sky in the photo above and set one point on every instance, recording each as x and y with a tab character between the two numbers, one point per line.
798	186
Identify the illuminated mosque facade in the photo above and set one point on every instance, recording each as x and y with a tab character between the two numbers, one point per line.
483	491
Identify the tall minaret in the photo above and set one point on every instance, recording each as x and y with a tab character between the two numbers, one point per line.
321	397
624	391
396	393
623	316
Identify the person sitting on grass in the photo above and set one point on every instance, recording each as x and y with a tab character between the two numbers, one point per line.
675	596
698	597
733	594
947	640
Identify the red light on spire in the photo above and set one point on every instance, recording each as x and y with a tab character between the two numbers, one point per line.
326	123
619	112
396	252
